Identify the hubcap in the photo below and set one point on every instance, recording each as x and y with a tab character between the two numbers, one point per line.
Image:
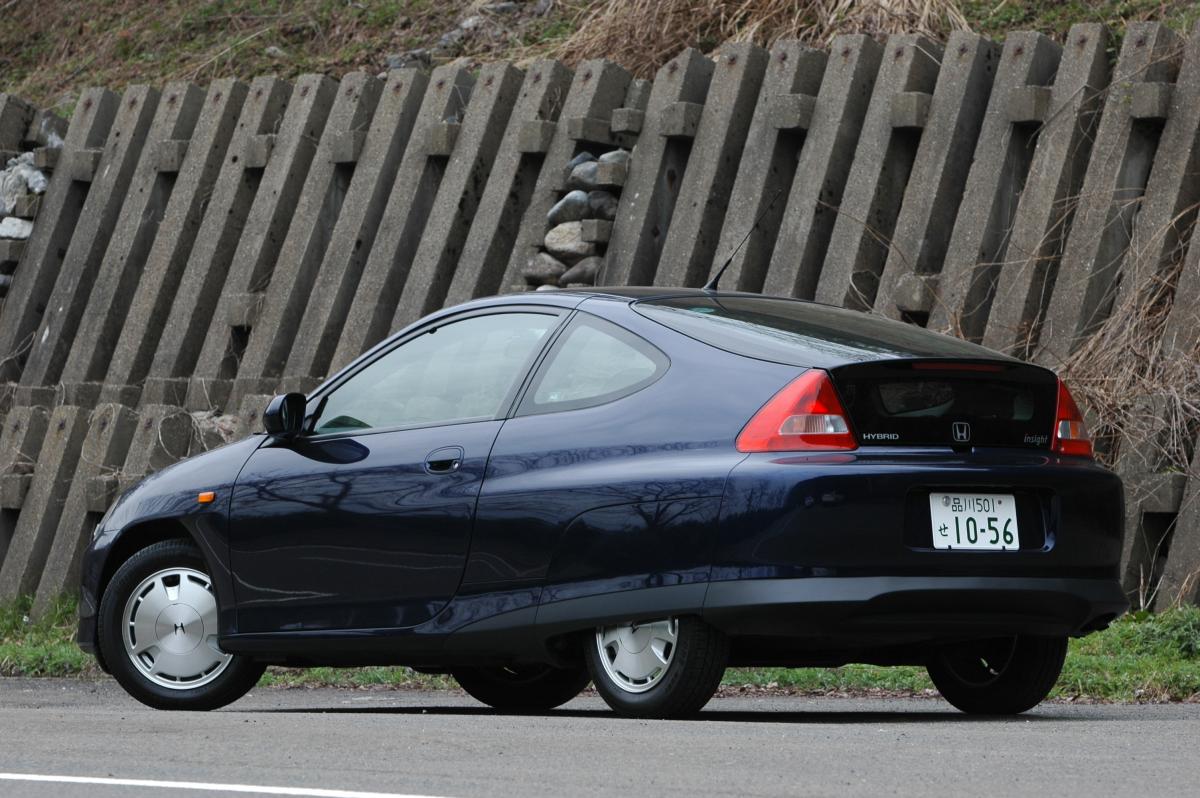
636	656
170	630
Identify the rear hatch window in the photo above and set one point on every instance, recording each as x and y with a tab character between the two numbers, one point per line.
935	403
799	333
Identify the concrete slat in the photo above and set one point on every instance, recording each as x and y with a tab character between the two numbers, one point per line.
883	160
265	230
315	214
653	184
46	250
462	187
767	168
1122	155
1044	213
512	183
190	304
357	226
939	174
691	241
825	160
404	216
98	221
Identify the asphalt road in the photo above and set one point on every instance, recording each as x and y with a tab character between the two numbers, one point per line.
443	744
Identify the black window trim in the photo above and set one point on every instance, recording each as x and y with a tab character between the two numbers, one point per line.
316	400
525	407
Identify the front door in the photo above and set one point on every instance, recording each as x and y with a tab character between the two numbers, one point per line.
364	521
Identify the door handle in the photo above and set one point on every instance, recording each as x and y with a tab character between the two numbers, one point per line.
445	460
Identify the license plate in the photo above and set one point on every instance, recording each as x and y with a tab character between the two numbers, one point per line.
979	521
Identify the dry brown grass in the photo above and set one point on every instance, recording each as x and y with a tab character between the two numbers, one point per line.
642	35
1136	394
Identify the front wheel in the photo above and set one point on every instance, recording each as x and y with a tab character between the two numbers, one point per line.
158	632
522	688
668	668
1002	676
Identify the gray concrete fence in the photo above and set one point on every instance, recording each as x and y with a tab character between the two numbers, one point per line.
200	249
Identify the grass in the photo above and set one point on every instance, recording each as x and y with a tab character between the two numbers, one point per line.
1143	657
42	648
994	18
50	50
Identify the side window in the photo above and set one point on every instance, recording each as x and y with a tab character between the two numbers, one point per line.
593	362
460	371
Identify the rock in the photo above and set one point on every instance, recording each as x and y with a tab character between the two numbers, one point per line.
566	243
18	177
582	157
602	205
542	7
616	156
419	57
542	269
275	52
583	176
12	227
501	8
451	41
472	23
575	205
582	273
47	129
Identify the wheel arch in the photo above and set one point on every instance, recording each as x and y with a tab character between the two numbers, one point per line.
139	536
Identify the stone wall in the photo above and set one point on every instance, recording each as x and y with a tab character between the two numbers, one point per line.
198	249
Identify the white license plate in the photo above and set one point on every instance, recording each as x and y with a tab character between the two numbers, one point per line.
980	521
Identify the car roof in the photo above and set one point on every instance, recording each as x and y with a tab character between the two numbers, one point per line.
836	336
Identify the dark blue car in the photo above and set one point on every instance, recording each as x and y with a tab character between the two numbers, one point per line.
636	487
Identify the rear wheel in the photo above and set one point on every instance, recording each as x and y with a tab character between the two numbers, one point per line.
1001	676
668	668
158	632
522	688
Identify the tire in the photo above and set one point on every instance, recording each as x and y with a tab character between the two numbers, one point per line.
1004	676
522	688
157	632
690	656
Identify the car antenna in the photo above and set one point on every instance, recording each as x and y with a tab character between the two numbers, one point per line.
711	285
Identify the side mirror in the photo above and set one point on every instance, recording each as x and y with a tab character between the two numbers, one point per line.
284	416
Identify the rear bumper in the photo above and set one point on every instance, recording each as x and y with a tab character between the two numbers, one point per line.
888	609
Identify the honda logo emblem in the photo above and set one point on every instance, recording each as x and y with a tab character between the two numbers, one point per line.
961	431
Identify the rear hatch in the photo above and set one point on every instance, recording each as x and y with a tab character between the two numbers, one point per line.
959	404
900	385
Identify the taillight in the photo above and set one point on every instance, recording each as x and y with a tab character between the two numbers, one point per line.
1070	433
806	415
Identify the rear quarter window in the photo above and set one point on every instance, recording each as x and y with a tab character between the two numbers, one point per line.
592	363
